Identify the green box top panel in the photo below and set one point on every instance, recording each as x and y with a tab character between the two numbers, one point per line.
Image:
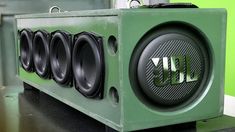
87	13
110	12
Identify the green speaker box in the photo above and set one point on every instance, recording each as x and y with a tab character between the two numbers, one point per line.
130	69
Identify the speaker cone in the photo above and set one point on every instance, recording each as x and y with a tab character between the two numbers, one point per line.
41	54
88	64
60	57
26	54
170	66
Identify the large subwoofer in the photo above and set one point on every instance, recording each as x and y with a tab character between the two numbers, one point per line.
171	65
88	64
26	49
41	54
60	57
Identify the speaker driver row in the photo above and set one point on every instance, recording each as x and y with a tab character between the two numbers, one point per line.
56	56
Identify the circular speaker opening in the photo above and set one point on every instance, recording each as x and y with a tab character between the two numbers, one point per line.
26	56
170	66
88	64
41	54
60	57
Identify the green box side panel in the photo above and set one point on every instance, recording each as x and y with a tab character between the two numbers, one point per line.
146	20
230	48
103	110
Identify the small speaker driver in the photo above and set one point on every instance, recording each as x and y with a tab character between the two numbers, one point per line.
60	57
26	53
41	54
88	64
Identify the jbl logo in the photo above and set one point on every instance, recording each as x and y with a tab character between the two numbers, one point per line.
175	74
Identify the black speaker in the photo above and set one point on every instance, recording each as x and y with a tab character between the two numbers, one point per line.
41	53
88	64
60	57
26	49
177	86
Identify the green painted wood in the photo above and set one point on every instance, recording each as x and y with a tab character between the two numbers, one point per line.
129	26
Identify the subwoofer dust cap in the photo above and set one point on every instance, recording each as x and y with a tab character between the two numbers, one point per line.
173	67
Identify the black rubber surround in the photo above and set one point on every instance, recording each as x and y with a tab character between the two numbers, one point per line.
26	49
88	64
169	41
41	53
60	57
